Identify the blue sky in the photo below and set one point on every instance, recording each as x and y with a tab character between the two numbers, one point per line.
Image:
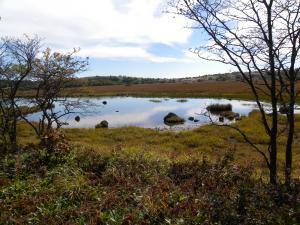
186	66
121	37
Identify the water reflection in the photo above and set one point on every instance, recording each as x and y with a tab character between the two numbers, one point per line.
145	112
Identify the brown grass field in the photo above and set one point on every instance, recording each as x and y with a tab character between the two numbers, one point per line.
207	88
217	89
213	89
195	89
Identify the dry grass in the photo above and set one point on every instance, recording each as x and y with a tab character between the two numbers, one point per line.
168	89
210	89
205	88
208	141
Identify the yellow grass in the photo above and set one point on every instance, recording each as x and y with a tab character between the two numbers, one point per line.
207	141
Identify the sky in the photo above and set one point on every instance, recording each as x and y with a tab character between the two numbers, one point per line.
120	37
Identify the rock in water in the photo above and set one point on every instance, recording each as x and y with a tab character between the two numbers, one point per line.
77	118
173	119
191	118
284	110
102	124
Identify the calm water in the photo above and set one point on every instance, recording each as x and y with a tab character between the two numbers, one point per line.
144	112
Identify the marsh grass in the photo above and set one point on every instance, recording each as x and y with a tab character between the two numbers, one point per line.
155	100
133	175
216	108
184	145
182	100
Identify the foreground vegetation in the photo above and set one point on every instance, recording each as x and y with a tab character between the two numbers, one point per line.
84	187
142	176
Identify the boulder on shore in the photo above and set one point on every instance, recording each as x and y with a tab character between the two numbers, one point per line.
102	124
173	119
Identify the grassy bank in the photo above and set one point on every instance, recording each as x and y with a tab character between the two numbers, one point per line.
207	141
133	175
86	187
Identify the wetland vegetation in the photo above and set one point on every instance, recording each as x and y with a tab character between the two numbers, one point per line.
56	167
123	150
134	175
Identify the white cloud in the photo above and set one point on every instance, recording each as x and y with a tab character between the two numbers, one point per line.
125	52
101	28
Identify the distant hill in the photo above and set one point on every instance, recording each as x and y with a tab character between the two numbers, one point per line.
98	81
125	80
235	76
115	80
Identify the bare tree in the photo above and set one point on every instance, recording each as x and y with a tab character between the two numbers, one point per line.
51	73
256	37
287	56
16	62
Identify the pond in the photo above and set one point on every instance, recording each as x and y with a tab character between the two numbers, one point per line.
145	112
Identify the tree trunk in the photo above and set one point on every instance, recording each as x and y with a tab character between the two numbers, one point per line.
290	139
273	139
273	160
274	130
288	153
13	130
